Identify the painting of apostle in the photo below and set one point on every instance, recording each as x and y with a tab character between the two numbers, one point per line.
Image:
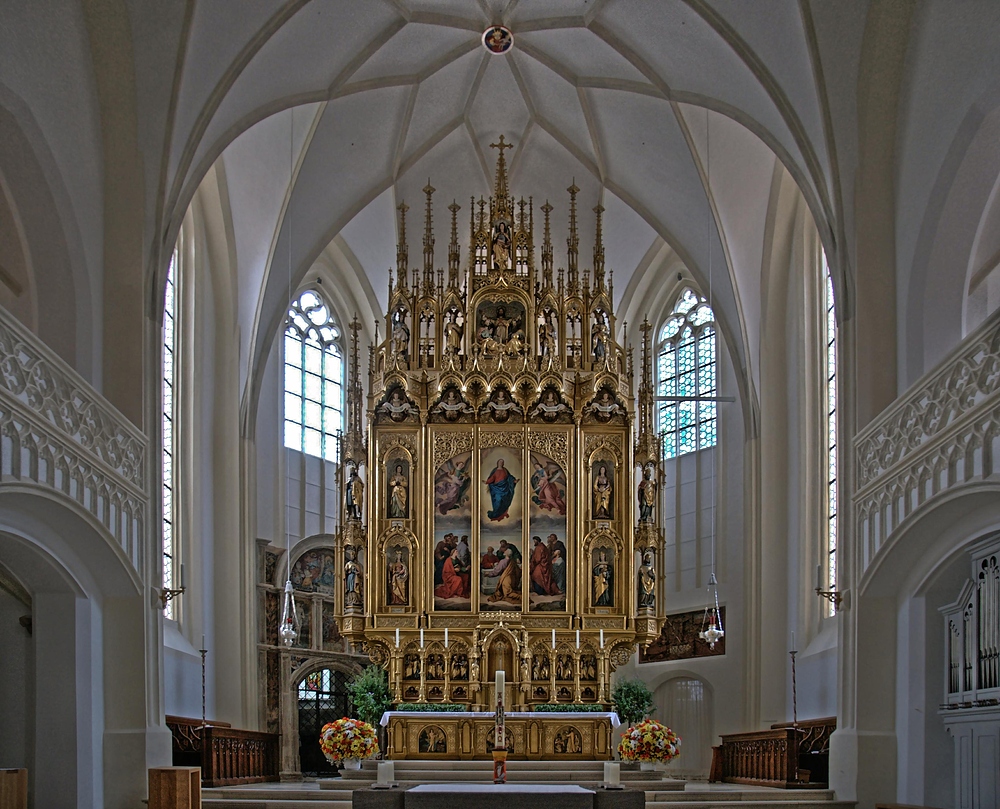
501	583
548	584
455	582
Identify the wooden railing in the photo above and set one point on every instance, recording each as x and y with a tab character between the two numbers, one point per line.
785	756
226	755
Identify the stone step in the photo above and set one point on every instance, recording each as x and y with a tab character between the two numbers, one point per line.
695	793
274	803
762	801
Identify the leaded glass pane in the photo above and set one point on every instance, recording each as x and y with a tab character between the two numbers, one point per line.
312	414
293	408
293	434
314	359
293	378
312	442
314	387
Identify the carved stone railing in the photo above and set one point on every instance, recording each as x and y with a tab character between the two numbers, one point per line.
940	434
231	756
57	431
787	755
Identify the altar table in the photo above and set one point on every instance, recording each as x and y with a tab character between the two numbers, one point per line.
497	796
531	735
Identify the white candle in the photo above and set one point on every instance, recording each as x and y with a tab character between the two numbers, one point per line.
397	637
384	777
602	638
793	641
553	639
500	680
202	642
578	639
184	578
612	773
421	637
819	577
446	637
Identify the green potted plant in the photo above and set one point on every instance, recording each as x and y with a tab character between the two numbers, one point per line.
370	696
633	700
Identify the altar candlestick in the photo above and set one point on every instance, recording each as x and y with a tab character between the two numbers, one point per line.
397	637
446	637
553	639
578	639
602	638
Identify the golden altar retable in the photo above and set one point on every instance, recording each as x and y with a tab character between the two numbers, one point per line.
500	482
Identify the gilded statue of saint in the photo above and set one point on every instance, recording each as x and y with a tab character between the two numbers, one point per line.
353	581
399	577
501	248
603	489
647	495
603	574
355	495
647	582
398	494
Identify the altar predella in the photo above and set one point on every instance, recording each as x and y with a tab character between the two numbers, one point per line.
500	486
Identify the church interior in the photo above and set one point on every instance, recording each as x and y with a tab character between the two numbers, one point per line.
678	323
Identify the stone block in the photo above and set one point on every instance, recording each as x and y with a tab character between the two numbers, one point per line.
619	799
377	798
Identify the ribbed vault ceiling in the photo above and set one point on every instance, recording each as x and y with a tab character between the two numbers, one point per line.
342	110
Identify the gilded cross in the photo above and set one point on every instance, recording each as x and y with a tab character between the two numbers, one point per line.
501	146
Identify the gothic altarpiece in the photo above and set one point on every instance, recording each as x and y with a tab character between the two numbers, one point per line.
501	507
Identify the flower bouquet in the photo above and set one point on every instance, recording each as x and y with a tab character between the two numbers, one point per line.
649	741
348	741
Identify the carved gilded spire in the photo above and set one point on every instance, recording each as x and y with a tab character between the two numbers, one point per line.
402	252
598	251
572	245
454	251
353	439
547	248
647	444
429	242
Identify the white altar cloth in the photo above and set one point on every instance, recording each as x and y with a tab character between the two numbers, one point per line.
506	789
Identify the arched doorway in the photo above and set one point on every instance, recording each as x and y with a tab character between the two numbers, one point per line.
685	705
321	697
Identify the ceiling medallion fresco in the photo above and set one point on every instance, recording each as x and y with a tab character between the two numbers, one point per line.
497	39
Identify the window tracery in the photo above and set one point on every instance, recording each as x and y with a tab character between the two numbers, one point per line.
167	411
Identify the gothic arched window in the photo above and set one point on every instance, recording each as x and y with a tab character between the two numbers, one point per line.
831	431
685	367
167	411
314	378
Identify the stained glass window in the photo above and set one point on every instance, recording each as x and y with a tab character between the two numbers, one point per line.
167	424
685	367
831	430
314	378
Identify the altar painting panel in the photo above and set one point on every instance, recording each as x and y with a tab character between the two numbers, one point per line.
500	525
452	533
547	557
